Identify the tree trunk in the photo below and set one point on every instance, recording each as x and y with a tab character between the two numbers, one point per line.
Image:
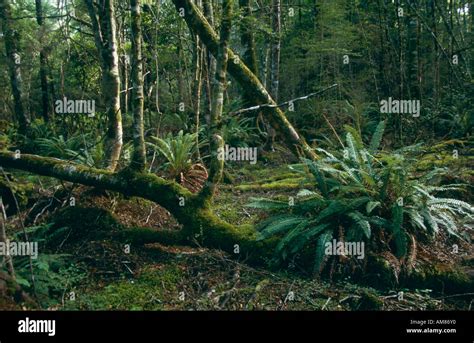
3	238
248	42
237	68
104	27
139	150
43	71
12	38
219	85
210	60
276	45
195	216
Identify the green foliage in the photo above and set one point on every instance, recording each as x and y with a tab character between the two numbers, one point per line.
43	140
53	275
146	292
359	192
239	132
177	150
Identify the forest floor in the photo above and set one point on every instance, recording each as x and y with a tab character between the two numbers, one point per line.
101	275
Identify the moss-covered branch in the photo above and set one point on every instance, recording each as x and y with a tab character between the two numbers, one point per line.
198	221
242	74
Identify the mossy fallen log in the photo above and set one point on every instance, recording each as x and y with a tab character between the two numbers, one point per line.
200	226
78	224
199	223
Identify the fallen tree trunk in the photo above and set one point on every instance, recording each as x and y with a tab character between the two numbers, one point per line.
242	74
199	223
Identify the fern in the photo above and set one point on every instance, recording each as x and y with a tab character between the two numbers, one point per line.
267	204
352	148
361	222
281	225
318	175
397	231
360	193
320	251
377	137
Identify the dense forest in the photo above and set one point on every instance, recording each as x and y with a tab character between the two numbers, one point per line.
236	154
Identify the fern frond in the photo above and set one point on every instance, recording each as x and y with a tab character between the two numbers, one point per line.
281	225
371	205
361	222
267	204
307	236
351	145
313	167
455	202
320	254
377	137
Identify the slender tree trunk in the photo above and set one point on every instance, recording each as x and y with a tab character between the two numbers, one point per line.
401	80
123	66
276	46
198	61
11	38
124	80
197	22
266	72
157	69
210	60
248	42
104	27
218	90
43	64
182	91
139	151
3	238
197	85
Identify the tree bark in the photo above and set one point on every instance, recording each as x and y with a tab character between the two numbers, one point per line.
195	216
3	238
43	71
102	16
210	60
219	85
248	42
12	38
276	47
139	151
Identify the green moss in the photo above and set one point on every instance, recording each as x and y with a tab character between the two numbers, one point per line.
255	173
291	183
442	155
379	273
440	278
148	291
369	302
14	188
